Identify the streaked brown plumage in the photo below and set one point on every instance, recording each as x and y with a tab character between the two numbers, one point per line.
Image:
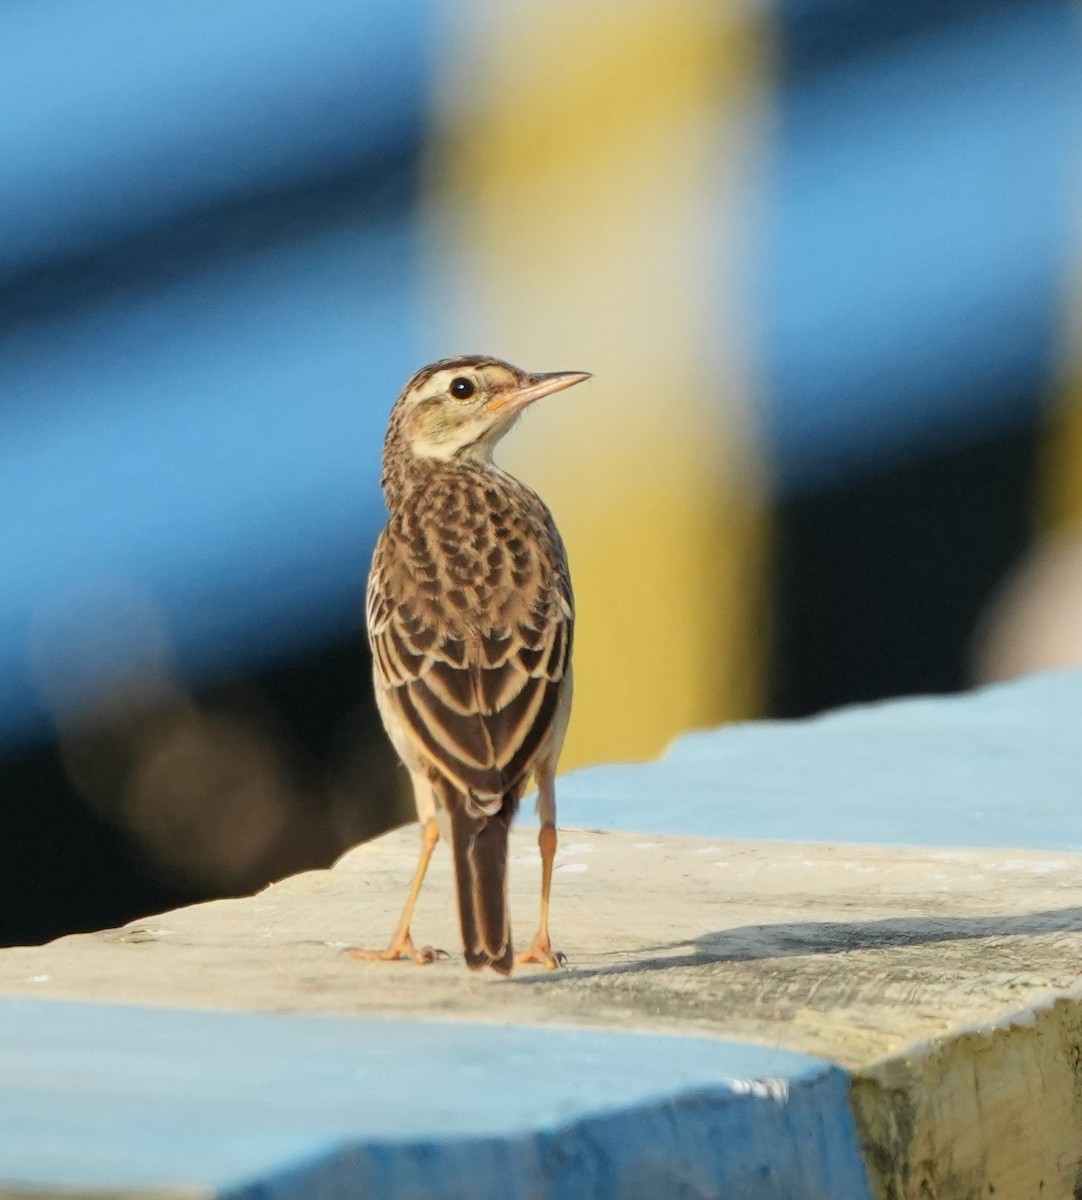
470	620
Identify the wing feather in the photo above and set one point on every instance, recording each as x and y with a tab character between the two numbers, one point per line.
476	704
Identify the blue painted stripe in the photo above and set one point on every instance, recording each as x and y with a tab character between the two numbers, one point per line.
251	1105
118	116
191	412
917	226
999	767
199	468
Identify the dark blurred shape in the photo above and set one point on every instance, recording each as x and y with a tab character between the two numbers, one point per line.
156	798
820	34
879	584
63	867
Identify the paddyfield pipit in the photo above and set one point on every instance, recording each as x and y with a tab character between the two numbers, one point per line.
470	619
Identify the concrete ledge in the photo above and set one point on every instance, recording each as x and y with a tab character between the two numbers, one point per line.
740	1018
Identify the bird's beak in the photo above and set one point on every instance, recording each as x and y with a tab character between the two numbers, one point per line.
534	388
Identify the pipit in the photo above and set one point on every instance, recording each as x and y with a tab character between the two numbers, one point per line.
470	619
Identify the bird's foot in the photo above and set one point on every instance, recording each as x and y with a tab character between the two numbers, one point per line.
542	953
399	948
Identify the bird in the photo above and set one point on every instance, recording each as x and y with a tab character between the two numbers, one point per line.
470	618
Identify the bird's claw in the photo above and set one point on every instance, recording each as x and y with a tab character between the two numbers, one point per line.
400	948
542	953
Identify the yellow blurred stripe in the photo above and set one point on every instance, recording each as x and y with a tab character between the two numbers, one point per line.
587	211
1062	476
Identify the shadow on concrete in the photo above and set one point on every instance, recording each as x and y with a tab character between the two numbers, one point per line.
799	939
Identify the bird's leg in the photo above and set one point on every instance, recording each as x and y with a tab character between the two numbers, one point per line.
541	950
401	943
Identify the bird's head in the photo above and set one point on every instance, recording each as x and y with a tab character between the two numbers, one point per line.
459	408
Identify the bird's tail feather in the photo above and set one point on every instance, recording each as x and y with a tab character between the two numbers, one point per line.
480	853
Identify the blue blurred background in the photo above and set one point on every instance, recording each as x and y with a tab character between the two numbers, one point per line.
229	232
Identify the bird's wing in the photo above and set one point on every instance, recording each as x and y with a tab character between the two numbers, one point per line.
476	699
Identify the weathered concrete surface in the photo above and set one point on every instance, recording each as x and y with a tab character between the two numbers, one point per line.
847	953
903	965
851	953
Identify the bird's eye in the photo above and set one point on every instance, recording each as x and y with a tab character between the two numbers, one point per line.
462	388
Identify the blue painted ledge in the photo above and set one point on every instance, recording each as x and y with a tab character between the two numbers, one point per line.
988	768
251	1106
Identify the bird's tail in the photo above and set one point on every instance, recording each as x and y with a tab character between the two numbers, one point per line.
480	849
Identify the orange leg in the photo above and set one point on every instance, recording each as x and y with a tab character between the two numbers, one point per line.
540	950
401	943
